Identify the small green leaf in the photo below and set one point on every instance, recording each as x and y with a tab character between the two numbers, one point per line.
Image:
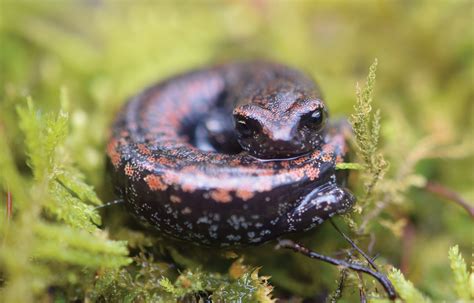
349	165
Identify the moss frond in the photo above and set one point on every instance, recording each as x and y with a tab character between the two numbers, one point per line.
405	288
61	243
462	280
54	220
366	128
43	134
151	284
73	180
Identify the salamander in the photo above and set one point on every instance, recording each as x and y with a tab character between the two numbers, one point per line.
234	154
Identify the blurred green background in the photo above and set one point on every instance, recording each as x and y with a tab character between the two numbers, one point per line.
98	53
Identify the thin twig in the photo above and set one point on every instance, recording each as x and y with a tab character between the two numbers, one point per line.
449	194
383	280
371	245
408	240
376	210
118	201
363	297
340	285
360	251
9	205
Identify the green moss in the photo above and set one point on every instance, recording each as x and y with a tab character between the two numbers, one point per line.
150	284
462	282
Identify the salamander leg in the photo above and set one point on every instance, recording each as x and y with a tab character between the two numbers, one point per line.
320	204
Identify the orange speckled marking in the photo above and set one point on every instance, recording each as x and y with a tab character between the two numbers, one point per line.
312	172
221	195
155	183
326	157
129	171
143	149
316	154
328	148
112	152
188	187
164	161
300	160
244	194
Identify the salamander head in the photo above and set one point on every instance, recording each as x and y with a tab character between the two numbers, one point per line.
283	125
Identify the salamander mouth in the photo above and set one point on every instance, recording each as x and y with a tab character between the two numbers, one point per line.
283	156
280	150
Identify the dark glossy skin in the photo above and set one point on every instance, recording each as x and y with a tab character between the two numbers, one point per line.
236	154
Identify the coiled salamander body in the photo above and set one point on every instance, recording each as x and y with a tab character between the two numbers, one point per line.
235	154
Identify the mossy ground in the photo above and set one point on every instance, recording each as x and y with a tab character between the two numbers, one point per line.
77	62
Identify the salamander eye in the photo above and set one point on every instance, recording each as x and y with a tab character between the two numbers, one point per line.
246	127
314	120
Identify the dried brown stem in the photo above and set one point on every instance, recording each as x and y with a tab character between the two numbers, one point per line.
449	194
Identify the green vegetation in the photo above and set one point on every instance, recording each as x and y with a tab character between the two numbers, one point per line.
66	68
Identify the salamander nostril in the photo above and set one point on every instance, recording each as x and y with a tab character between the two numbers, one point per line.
283	135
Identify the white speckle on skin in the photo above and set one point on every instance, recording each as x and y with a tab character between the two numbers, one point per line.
203	220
